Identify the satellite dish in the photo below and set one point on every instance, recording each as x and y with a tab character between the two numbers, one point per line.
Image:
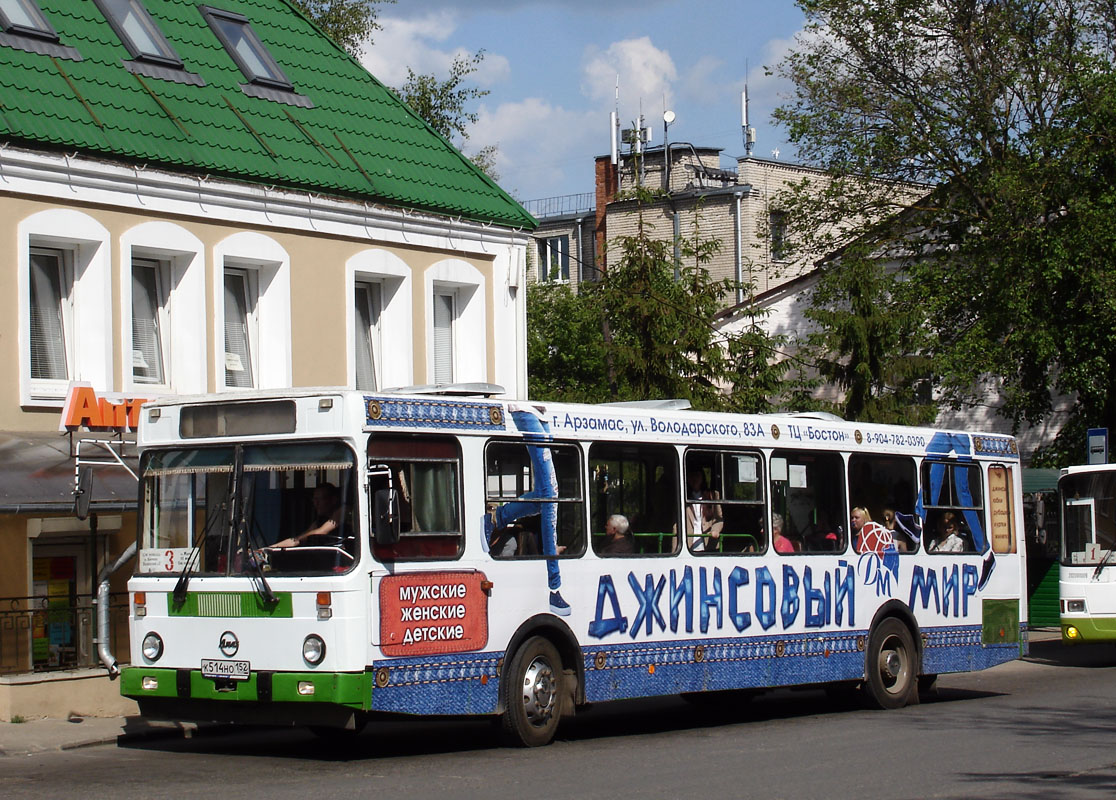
83	494
668	117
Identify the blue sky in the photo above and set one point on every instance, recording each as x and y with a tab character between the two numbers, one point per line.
551	68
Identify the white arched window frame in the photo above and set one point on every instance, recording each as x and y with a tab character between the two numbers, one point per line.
177	259
456	287
72	249
389	278
263	268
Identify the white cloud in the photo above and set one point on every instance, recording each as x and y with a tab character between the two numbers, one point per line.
413	42
646	76
540	145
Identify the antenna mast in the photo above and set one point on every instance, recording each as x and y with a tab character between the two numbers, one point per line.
746	130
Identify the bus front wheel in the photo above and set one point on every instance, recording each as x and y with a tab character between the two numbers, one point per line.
891	665
532	689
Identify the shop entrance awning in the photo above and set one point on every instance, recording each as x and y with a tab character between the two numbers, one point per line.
37	474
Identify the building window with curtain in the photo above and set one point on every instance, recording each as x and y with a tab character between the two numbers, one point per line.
554	259
240	329
445	313
150	321
51	335
367	325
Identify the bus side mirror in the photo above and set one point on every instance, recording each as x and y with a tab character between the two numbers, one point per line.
385	515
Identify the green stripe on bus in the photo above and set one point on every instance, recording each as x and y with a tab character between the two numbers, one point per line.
350	689
230	604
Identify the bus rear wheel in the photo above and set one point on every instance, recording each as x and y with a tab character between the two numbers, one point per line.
891	665
532	689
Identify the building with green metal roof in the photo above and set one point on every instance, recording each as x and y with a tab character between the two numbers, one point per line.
215	197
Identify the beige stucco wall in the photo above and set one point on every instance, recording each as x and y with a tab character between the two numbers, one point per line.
318	291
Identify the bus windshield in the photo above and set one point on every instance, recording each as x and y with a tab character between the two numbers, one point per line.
279	509
1089	517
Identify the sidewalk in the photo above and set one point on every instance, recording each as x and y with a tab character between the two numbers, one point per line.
42	735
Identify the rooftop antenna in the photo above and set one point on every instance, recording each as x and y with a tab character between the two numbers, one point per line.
614	125
746	130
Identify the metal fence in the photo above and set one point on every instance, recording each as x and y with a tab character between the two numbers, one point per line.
44	634
561	205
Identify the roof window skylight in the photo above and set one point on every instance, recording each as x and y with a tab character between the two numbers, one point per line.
138	31
236	34
23	17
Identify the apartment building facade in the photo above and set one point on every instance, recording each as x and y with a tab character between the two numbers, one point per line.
200	198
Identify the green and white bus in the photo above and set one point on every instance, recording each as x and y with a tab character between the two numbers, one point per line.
319	557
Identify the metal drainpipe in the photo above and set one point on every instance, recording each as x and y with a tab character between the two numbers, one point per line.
102	638
677	238
739	254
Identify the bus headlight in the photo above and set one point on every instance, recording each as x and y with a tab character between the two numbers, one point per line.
152	647
313	649
1075	605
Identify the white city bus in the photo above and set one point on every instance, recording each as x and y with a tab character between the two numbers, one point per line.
317	557
1087	574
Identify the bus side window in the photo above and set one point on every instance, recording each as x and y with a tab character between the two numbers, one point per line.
425	472
639	482
725	505
954	501
885	486
533	492
808	493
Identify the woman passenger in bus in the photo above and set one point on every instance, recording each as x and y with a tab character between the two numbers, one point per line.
704	521
871	537
949	538
780	542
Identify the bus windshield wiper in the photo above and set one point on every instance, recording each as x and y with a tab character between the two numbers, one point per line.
244	543
183	583
1103	563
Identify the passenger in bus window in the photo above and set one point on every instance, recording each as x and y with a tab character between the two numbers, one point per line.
871	537
949	539
781	543
704	521
618	539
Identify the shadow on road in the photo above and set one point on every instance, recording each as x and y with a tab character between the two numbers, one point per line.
1054	653
407	737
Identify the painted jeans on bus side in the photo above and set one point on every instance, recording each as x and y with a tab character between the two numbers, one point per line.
546	486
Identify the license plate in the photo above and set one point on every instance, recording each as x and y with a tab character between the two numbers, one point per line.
216	668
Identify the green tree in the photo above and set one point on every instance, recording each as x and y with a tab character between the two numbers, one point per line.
1008	110
565	349
350	23
647	330
444	104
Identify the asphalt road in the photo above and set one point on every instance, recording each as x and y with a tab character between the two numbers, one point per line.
1040	728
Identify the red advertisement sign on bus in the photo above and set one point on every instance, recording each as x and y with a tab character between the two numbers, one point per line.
433	612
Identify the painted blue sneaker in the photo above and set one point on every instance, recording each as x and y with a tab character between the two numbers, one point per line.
558	605
986	568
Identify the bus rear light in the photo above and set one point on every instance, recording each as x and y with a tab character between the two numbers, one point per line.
149	683
306	687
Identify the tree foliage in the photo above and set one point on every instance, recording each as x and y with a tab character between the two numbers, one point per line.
442	103
350	23
1007	110
647	331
